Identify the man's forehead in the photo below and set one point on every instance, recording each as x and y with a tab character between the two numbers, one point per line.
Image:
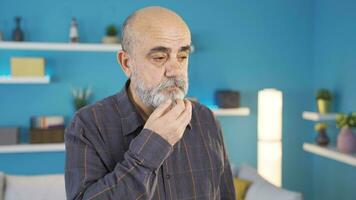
163	41
164	34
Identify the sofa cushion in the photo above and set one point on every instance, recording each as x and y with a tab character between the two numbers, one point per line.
249	173
39	187
262	189
2	185
267	191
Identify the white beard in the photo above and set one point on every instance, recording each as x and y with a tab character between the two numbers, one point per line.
153	97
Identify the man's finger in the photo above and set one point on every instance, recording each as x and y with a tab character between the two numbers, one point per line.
174	113
186	115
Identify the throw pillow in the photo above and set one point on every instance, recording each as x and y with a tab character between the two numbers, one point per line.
241	187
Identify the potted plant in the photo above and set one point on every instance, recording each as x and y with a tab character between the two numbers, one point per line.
323	98
111	35
81	97
346	140
322	138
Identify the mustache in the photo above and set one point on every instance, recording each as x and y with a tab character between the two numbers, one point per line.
175	81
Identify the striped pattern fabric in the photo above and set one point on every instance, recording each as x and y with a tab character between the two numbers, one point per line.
110	156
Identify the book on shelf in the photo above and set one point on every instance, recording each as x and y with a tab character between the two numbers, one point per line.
27	67
46	122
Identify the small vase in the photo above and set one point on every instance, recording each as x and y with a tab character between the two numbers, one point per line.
322	139
323	106
346	140
17	34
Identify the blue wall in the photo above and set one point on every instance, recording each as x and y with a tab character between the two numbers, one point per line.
244	45
335	68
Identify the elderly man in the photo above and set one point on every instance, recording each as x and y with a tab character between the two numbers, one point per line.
148	141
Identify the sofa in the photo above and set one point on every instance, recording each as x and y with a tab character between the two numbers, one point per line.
44	187
34	187
252	186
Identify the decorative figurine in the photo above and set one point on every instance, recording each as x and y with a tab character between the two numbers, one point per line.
73	32
17	34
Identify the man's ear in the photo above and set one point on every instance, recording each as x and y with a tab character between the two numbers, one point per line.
124	60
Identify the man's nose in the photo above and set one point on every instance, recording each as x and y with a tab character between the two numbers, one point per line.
174	68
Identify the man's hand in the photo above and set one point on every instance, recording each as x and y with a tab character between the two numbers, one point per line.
170	123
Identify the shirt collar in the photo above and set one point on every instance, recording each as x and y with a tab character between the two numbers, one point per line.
130	116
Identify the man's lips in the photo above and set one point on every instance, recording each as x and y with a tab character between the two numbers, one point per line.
171	88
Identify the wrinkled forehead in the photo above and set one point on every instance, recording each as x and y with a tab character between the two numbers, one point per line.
165	37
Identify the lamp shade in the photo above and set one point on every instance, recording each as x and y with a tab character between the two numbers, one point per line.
270	135
270	115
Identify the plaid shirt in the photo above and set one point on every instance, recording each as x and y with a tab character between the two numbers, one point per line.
110	156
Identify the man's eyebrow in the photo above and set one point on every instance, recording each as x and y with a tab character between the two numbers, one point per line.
185	48
168	50
160	49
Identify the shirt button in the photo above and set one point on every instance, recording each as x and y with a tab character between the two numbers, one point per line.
168	176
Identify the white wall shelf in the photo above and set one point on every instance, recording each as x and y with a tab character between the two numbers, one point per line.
24	80
60	46
331	152
314	116
231	111
30	148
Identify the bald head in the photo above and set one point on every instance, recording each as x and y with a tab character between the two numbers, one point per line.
153	20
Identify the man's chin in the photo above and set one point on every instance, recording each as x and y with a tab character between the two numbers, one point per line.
176	95
173	97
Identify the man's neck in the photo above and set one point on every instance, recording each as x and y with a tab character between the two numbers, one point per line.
143	110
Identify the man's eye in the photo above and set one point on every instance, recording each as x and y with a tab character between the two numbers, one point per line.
182	57
159	59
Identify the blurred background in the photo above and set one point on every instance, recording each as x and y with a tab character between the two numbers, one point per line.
295	46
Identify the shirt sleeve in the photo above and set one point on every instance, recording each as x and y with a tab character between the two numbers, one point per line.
87	177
